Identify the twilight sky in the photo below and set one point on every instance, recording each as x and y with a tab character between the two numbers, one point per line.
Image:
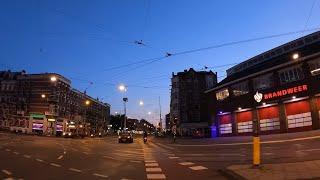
85	40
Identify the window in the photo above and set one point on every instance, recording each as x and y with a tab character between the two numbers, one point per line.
222	94
240	88
263	82
291	75
315	67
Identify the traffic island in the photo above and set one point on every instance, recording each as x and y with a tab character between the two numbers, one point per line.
297	170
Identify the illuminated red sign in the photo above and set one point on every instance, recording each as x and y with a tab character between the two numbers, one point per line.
285	92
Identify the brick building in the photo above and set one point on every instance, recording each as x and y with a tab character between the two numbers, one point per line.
46	103
278	90
188	106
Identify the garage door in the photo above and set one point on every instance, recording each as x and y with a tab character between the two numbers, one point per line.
298	114
225	124
269	118
244	121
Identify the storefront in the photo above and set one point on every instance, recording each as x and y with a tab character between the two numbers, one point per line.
269	119
244	121
225	124
298	115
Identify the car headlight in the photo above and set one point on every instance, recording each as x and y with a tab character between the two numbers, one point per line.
119	137
91	135
129	137
99	134
69	134
64	133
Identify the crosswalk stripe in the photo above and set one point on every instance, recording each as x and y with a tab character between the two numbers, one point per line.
186	163
150	161
196	168
156	176
152	164
153	169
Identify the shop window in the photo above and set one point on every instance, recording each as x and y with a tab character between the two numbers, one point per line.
291	75
315	67
263	82
225	125
222	94
269	118
244	120
240	88
298	114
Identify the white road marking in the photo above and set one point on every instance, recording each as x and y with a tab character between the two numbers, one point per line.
6	172
8	150
55	165
196	168
156	176
150	161
152	164
16	153
60	157
248	143
175	157
308	150
39	160
186	163
153	170
170	154
100	175
75	170
109	157
27	156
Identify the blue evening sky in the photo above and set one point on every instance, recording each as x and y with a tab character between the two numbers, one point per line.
83	39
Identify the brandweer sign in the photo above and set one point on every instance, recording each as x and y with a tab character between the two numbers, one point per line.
285	92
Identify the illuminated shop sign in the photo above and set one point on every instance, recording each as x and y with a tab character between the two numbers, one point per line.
283	92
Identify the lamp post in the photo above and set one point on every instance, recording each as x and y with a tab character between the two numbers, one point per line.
123	89
87	104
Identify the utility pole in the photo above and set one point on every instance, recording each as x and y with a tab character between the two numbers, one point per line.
160	124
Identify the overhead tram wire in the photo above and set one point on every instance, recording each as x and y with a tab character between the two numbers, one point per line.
309	16
168	54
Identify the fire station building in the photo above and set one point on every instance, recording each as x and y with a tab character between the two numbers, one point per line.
280	89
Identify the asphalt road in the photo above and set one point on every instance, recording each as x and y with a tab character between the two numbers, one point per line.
32	157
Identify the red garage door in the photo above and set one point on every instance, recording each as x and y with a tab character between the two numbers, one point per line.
298	114
269	118
225	124
244	121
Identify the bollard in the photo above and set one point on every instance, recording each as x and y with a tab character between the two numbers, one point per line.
256	151
256	145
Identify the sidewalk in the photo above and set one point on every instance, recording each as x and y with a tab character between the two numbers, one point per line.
298	170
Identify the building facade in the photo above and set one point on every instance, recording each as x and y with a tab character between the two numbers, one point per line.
47	104
274	92
188	106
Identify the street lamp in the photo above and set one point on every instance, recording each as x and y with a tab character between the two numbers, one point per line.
123	88
43	96
149	113
87	102
53	78
141	103
295	56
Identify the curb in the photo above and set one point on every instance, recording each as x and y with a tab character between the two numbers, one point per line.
229	174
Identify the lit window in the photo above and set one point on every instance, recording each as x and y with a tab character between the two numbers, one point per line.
222	94
240	88
291	74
